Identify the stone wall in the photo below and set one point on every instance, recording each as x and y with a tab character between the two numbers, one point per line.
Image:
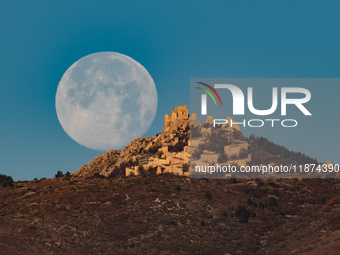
209	157
179	113
193	116
175	132
235	149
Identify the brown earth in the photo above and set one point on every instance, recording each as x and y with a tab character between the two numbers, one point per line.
167	214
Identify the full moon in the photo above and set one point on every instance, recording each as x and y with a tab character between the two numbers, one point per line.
105	100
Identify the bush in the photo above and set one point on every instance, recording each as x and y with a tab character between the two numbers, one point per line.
120	170
273	202
185	168
96	176
243	153
261	206
259	182
59	174
222	158
6	180
141	170
208	196
151	170
232	180
243	214
197	154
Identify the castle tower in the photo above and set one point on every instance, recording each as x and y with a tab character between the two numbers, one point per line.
193	116
179	112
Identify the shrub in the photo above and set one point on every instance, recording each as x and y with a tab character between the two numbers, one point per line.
197	153
242	213
276	192
252	213
233	180
243	153
141	170
6	180
119	170
273	202
222	158
272	184
259	182
59	174
185	168
208	196
151	170
98	176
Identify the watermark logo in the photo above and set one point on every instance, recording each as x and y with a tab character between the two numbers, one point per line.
239	103
204	97
238	99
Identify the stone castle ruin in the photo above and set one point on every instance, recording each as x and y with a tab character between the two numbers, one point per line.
223	144
174	149
179	113
169	152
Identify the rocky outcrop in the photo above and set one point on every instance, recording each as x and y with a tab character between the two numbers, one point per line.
167	152
104	164
173	153
99	164
221	144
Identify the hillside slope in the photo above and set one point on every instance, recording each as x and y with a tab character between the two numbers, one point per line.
167	214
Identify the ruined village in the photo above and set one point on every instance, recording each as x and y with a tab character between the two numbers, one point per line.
169	151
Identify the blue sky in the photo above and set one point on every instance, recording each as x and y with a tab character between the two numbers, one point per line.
173	40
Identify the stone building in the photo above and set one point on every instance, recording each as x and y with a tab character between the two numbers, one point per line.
234	150
179	113
175	132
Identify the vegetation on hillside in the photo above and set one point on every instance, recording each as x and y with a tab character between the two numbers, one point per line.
167	214
6	180
281	151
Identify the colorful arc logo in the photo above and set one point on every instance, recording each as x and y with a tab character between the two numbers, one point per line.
213	90
204	97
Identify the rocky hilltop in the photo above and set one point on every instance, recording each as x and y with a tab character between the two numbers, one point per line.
184	136
224	143
167	152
